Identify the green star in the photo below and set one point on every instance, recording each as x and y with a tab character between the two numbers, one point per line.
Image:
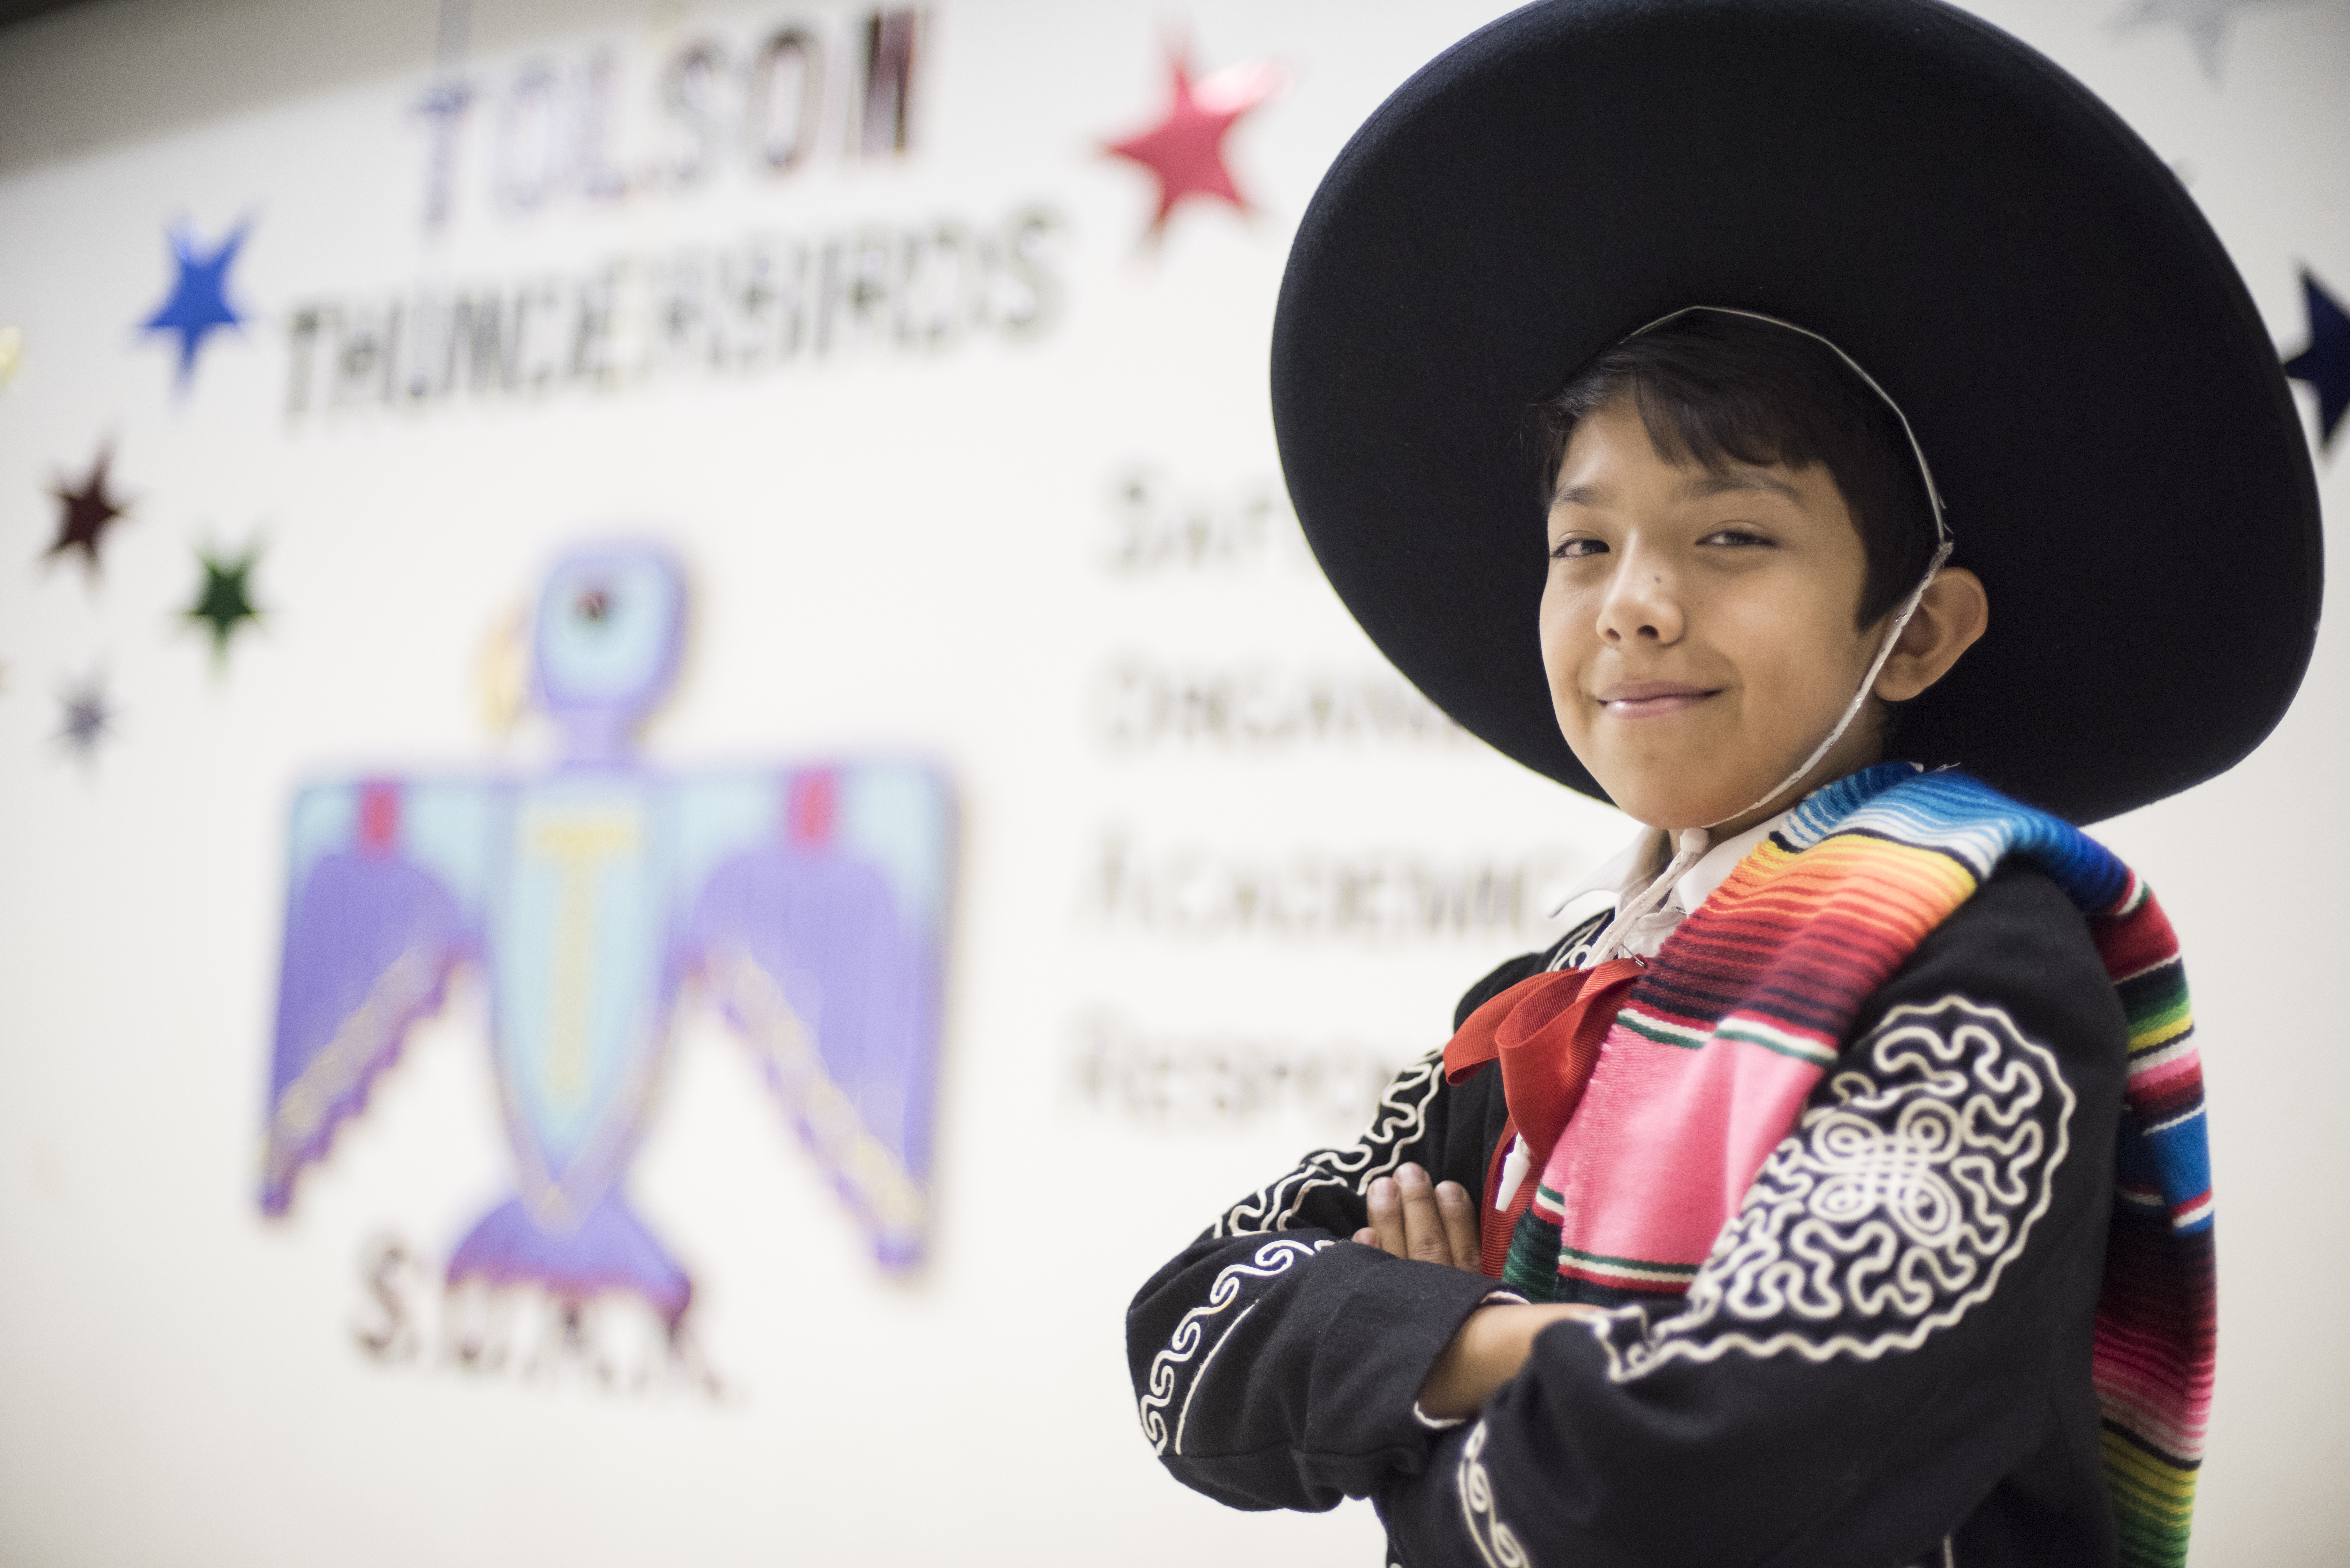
222	601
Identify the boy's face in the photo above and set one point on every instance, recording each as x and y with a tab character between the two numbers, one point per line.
1698	627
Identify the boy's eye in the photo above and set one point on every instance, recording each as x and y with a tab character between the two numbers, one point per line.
1577	549
1734	536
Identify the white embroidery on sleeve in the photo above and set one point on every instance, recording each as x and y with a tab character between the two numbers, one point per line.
1495	1541
1889	1211
1401	1121
1272	1259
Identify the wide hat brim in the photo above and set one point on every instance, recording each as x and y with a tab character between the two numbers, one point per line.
2122	461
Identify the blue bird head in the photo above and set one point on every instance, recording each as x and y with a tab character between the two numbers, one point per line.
611	620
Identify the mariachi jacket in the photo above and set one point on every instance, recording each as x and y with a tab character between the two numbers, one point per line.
1276	1363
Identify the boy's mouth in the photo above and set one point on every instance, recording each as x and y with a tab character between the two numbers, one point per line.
1650	699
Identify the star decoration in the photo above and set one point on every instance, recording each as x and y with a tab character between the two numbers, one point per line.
225	602
2325	363
198	304
85	515
1186	148
88	717
2205	23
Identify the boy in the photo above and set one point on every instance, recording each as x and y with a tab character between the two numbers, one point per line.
1838	1196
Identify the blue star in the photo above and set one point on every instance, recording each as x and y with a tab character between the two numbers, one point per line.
196	305
2325	363
88	716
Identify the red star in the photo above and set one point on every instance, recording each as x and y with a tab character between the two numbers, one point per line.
1186	150
84	514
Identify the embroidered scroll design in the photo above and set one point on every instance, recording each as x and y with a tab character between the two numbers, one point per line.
1495	1541
1272	1259
1401	1121
1574	950
1892	1208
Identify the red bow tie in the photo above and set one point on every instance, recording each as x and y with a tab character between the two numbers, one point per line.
1546	1031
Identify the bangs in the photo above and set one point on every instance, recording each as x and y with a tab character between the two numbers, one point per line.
1716	390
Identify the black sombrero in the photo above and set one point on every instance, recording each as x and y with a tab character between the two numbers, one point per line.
2102	407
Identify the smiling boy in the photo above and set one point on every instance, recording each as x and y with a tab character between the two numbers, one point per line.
1838	1194
1713	600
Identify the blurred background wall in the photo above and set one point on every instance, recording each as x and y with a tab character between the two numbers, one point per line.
967	456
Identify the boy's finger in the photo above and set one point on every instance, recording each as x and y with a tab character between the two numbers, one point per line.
1423	1227
1386	1216
1461	1226
1367	1237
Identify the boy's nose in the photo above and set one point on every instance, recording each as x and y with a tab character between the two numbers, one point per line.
1641	605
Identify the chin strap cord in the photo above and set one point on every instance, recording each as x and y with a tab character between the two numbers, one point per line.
1692	843
1860	698
1690	847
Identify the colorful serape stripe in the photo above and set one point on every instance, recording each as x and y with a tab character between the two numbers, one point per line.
1718	1046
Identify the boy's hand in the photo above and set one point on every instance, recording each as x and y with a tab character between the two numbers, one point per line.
1411	1218
1487	1352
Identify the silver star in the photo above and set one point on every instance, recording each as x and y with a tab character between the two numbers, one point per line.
2205	23
88	716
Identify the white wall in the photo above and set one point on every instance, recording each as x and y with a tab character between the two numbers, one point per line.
892	551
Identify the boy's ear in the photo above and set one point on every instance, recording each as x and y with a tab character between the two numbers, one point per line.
1952	612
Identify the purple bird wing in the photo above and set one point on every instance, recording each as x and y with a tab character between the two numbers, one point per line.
834	984
369	937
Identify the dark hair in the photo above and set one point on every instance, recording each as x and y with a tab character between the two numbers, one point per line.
1715	388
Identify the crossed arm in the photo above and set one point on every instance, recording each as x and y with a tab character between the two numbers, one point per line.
1277	1358
1437	1223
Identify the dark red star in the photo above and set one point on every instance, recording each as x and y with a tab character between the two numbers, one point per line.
1186	148
85	515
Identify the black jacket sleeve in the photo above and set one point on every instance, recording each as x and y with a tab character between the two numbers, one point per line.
1275	1363
1888	1330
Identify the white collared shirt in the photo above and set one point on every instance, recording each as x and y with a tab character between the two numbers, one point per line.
1632	870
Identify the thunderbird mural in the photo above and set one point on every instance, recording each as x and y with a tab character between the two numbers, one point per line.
809	904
